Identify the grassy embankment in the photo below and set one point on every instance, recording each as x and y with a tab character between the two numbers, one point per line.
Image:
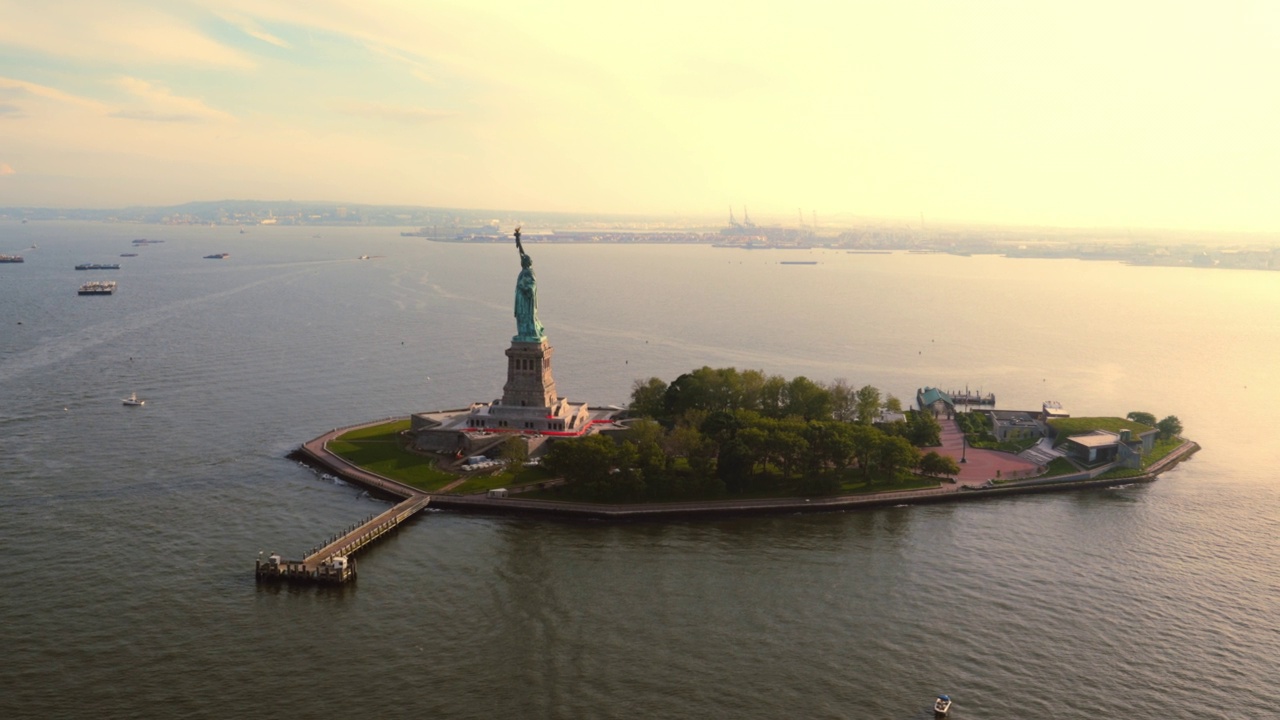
381	449
1161	450
1065	427
766	487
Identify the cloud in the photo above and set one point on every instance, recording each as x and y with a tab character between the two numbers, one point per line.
161	105
20	88
116	33
250	28
266	37
416	67
10	110
396	113
6	169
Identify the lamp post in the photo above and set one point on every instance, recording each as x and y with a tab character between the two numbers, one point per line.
964	445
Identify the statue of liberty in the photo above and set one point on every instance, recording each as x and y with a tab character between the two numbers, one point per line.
528	327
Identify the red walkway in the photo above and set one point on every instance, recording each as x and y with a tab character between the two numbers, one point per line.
982	464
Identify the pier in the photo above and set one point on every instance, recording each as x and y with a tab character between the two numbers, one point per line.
332	562
972	398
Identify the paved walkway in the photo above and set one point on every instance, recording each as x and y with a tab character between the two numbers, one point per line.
980	465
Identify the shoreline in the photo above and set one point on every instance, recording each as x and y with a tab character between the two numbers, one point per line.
314	454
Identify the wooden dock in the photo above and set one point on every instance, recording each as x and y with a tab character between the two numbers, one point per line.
333	563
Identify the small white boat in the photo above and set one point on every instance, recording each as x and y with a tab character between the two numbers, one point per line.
133	401
942	706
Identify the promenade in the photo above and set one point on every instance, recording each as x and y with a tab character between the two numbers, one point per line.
981	466
332	562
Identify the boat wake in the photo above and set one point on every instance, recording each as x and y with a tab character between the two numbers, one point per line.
62	349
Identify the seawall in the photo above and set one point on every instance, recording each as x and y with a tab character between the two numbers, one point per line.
315	454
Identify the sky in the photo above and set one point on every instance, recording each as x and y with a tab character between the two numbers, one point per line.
1082	114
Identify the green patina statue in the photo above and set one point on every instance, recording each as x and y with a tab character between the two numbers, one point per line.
528	327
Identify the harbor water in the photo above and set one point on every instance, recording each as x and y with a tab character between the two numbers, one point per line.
129	534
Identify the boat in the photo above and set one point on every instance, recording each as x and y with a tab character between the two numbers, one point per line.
11	259
799	262
942	706
217	256
128	254
98	266
133	401
98	287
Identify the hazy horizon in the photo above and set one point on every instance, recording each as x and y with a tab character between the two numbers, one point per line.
1094	115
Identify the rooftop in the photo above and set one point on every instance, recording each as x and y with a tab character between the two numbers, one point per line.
1095	439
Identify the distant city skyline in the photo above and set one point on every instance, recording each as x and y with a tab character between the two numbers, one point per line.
1089	114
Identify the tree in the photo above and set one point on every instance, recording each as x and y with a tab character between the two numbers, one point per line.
647	398
895	454
752	384
733	466
648	438
1144	418
585	460
790	447
688	392
923	429
686	441
773	396
892	404
939	465
1169	427
720	426
864	440
807	399
514	450
756	441
868	402
844	406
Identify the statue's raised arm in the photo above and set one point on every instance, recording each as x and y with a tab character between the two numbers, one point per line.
519	247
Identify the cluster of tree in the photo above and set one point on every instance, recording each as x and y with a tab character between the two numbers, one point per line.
1169	427
717	431
976	426
773	396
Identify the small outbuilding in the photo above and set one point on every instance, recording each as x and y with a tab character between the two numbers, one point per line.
931	399
1103	446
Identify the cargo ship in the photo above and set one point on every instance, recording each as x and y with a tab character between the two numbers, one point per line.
217	256
98	266
98	287
11	259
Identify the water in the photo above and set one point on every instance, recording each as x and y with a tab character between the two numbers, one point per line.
130	534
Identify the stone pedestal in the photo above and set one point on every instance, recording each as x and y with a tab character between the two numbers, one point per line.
529	380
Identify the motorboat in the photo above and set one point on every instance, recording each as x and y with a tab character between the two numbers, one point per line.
942	706
133	401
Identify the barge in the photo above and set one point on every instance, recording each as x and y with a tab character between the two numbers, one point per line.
98	287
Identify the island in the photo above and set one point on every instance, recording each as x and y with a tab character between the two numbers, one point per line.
712	442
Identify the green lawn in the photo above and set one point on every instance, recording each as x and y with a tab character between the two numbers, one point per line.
504	479
856	486
1161	449
376	432
851	484
1060	466
380	449
1078	426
